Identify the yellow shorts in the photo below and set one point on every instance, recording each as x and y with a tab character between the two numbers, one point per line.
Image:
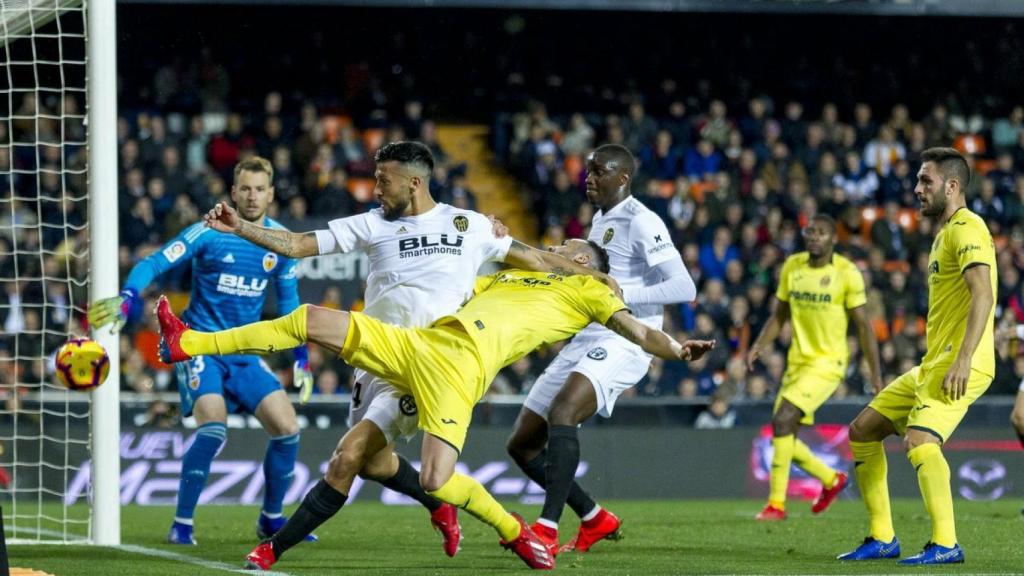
915	400
807	388
439	366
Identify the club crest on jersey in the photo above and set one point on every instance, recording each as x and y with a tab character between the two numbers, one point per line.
269	261
461	223
608	235
825	281
597	354
407	404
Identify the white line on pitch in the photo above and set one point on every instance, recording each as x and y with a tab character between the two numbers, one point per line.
213	565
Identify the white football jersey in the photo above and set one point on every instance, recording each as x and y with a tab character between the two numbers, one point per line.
421	267
636	240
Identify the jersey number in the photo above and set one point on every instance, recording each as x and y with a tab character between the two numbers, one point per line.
356	391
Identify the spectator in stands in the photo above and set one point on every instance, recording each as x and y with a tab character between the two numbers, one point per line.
781	169
989	206
887	233
884	151
718	416
660	160
1006	131
716	255
715	126
578	139
638	129
702	161
857	180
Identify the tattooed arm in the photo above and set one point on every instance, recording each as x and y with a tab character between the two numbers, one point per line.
224	218
529	258
655	341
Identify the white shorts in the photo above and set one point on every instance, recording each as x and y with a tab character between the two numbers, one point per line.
376	400
611	363
1021	387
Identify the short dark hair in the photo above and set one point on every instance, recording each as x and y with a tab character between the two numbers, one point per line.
828	220
951	164
406	152
600	257
621	154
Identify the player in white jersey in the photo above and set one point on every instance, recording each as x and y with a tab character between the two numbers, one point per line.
424	257
590	373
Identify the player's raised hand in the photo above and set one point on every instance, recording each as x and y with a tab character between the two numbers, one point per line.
223	218
695	349
113	311
955	382
498	227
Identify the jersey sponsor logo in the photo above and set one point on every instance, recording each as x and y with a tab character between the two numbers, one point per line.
429	244
597	354
512	279
237	285
175	251
657	238
461	223
608	235
269	261
658	248
933	268
967	248
810	297
229	259
407	404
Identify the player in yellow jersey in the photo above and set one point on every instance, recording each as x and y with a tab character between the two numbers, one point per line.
818	291
448	366
927	403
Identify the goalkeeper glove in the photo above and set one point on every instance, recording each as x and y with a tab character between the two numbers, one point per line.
302	378
115	310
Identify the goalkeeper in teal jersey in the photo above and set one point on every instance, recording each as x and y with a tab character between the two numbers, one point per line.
230	278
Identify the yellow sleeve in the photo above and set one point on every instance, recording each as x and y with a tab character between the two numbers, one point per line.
972	244
599	301
482	282
855	293
782	292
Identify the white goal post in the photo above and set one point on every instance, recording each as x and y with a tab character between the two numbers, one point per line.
58	154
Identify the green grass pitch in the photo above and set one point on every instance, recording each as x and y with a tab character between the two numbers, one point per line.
660	538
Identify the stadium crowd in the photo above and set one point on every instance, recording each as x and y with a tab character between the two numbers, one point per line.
734	180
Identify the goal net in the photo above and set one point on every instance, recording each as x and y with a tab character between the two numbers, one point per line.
44	266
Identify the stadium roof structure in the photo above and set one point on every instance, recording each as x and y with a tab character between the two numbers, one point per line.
980	8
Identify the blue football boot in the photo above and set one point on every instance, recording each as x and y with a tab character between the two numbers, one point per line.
873	549
935	554
267	527
181	534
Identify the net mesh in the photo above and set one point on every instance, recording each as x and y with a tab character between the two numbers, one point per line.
44	248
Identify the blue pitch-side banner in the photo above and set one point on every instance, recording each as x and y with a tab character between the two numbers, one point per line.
617	463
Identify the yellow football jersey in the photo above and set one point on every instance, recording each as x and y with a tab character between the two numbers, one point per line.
819	299
962	243
507	320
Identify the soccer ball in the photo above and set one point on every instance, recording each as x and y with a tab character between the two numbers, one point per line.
82	364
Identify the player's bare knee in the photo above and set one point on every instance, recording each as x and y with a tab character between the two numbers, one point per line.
915	438
288	427
861	430
432	479
345	464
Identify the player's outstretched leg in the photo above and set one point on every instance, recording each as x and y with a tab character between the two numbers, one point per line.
443	516
526	447
440	480
195	468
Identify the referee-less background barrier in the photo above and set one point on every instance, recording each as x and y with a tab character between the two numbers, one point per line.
986	464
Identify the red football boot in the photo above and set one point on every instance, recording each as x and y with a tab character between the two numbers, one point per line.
171	329
770	514
829	494
604	526
547	535
529	547
262	557
445	520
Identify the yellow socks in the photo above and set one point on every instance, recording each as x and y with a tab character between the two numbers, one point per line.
871	469
264	337
808	462
933	477
465	492
781	461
